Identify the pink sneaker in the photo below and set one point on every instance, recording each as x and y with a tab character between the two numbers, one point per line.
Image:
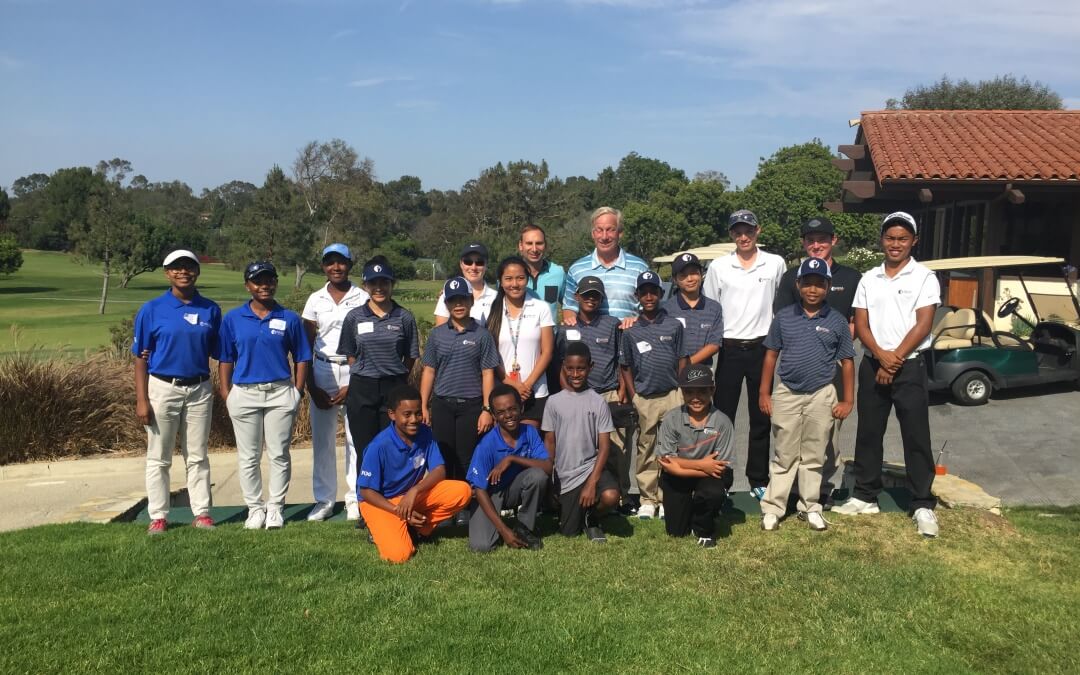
203	522
157	526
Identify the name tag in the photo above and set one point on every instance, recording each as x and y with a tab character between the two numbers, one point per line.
365	327
193	319
573	334
277	324
643	347
418	461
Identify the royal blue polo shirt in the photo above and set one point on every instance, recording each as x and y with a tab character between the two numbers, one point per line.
459	358
652	349
380	345
809	346
392	465
702	324
182	336
260	347
493	449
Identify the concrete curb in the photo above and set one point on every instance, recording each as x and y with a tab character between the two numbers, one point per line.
951	491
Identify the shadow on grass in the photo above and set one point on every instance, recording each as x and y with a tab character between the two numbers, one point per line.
23	290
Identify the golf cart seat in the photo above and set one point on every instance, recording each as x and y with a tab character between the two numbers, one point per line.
955	330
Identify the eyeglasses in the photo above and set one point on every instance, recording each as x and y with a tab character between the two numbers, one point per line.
472	262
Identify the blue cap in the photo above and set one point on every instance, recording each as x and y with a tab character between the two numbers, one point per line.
647	278
456	287
814	266
378	271
341	249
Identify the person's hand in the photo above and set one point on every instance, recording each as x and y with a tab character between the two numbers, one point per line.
523	390
499	470
883	377
841	410
404	508
417	519
224	391
144	354
765	403
339	397
713	465
569	320
143	412
588	494
484	422
890	361
427	416
321	398
627	322
511	539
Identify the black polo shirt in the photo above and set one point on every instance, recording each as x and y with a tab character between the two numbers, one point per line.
841	291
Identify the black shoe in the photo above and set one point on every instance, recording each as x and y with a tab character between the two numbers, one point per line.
462	518
533	542
592	529
706	542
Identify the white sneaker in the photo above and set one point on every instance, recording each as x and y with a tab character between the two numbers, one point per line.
352	511
256	519
856	507
926	522
660	512
646	511
321	511
770	523
816	522
274	519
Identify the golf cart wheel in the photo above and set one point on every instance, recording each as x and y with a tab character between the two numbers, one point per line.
972	388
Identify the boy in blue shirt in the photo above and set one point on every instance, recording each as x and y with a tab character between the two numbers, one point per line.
402	483
509	469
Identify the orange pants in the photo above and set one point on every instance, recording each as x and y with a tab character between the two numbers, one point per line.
391	534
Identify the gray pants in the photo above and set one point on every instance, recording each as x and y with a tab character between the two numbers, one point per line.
265	411
526	490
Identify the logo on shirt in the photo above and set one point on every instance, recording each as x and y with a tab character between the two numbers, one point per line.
392	326
417	461
822	329
602	341
366	473
904	291
468	342
706	325
836	288
666	338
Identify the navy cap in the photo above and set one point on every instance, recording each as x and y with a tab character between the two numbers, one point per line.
742	216
818	225
591	284
259	267
456	287
696	376
475	248
647	278
901	218
814	266
682	261
375	271
341	249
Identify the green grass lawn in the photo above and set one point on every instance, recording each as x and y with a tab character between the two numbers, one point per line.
54	300
869	595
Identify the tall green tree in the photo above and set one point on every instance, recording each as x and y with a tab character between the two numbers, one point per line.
274	227
634	179
99	236
5	207
1004	92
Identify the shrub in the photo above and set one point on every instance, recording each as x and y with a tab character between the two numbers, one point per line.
862	259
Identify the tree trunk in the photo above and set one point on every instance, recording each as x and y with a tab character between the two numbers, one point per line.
300	272
104	285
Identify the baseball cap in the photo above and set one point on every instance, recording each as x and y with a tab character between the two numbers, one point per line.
341	249
696	376
591	284
742	216
647	278
456	287
375	271
475	247
682	261
179	254
814	266
818	225
259	267
901	218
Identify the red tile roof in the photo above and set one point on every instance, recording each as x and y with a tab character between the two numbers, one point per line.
1014	145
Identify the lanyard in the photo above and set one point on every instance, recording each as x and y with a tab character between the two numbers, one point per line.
515	333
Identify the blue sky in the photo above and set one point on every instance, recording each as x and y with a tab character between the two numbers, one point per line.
208	92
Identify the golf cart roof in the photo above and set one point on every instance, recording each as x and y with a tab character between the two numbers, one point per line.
704	253
975	262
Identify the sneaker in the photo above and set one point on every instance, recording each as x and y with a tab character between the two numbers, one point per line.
533	542
462	518
660	512
758	493
816	522
203	522
706	542
157	526
592	529
352	511
321	511
856	507
627	509
770	523
256	519
274	519
926	522
646	511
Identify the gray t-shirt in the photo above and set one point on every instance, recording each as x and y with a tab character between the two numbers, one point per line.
678	437
578	419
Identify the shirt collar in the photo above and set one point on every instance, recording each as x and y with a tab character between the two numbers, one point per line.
822	313
469	327
177	302
660	315
683	304
395	309
686	417
620	262
276	313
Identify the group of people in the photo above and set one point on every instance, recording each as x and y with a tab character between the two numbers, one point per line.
515	414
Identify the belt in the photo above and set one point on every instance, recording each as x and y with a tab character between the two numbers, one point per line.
344	360
743	344
458	400
182	381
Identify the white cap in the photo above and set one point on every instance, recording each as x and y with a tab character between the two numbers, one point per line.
178	254
900	218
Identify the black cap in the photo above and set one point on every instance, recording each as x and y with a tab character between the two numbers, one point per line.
741	217
259	267
818	225
647	278
682	261
591	284
696	376
375	271
475	248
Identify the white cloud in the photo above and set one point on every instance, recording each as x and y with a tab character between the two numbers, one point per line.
377	81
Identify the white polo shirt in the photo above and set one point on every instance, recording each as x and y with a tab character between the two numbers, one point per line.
745	295
535	315
329	315
890	302
480	309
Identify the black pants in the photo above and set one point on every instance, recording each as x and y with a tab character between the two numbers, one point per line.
453	423
693	503
908	393
734	366
366	408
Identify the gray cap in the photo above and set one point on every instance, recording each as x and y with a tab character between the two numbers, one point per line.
742	217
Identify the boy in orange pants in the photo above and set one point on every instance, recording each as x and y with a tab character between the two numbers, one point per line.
402	481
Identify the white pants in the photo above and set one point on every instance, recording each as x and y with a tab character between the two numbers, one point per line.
263	412
330	377
183	410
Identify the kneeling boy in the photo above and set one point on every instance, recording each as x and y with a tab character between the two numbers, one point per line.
402	481
509	469
577	426
696	447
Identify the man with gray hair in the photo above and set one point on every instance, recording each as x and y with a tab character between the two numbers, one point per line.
616	268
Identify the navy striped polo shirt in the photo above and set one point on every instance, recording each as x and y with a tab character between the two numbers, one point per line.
702	325
809	346
459	359
602	338
652	349
379	345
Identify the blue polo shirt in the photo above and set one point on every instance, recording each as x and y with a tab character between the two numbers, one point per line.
260	347
493	449
182	336
652	349
702	324
548	285
602	338
380	345
391	465
809	346
620	282
459	359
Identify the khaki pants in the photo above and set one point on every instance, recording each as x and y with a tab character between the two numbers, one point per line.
802	425
651	409
619	453
183	410
264	411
